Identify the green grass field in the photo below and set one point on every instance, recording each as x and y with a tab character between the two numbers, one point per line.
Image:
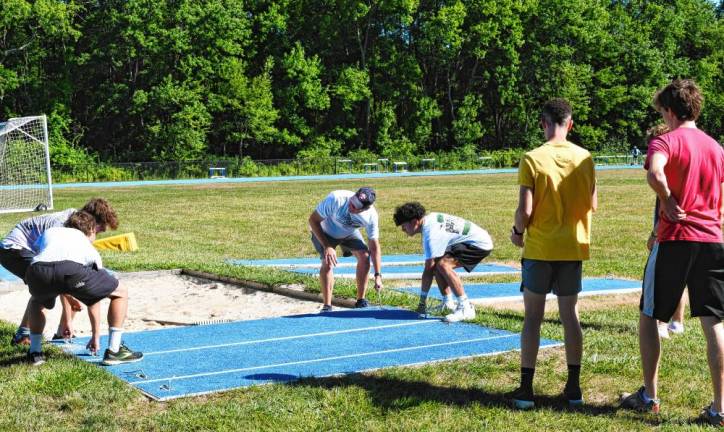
199	227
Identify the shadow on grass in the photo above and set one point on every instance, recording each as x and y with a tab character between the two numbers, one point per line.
396	394
611	327
11	359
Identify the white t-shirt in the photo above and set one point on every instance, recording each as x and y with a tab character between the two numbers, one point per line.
340	223
66	244
27	232
440	231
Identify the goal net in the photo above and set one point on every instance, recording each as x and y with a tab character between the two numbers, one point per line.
25	182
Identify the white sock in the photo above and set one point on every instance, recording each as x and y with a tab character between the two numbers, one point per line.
463	300
114	338
23	331
447	298
36	341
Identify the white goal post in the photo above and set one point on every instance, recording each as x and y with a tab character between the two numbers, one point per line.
25	183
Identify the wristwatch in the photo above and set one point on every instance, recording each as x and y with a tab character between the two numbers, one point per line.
515	231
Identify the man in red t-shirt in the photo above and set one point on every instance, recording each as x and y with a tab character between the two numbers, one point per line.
686	170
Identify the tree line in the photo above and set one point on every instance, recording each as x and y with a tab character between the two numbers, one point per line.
130	80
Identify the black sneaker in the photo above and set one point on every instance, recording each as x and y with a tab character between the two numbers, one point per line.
522	398
709	418
20	339
124	355
361	303
36	358
635	401
574	396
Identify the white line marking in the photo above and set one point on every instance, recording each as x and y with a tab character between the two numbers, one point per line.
327	333
325	359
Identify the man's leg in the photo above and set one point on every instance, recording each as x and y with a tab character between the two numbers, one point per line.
37	325
573	337
534	305
363	271
445	269
714	333
117	310
326	280
650	349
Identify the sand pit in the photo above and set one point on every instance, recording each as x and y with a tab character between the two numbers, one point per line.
165	298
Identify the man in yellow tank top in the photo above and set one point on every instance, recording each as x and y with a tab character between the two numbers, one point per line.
552	224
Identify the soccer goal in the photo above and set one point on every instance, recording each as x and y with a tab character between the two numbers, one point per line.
25	183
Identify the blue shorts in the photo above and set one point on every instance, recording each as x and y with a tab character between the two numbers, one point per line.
354	242
562	278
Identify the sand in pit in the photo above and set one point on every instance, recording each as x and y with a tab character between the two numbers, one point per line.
160	298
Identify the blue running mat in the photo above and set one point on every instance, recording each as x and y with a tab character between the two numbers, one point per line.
412	271
511	290
196	360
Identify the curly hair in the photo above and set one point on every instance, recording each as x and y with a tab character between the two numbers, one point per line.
656	130
683	97
407	212
556	111
102	212
83	221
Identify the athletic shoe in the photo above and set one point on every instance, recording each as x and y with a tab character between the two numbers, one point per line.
573	396
361	303
663	331
440	308
421	309
635	401
20	339
123	355
326	308
462	312
676	327
36	358
710	418
522	398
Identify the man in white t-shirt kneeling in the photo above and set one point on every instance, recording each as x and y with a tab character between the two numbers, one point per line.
67	263
448	242
336	222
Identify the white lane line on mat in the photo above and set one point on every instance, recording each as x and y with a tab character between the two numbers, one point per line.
283	338
348	356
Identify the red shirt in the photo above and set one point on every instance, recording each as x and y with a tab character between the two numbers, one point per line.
694	172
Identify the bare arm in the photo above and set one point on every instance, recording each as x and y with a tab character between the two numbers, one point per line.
522	215
427	275
657	180
376	254
315	223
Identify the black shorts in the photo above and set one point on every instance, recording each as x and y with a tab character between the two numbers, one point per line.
562	278
671	266
354	242
16	261
467	256
47	280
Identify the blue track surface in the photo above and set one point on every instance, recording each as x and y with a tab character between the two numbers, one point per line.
387	260
197	360
512	289
300	178
413	271
5	275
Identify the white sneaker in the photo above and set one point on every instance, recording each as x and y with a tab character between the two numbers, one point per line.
440	308
676	327
663	331
462	312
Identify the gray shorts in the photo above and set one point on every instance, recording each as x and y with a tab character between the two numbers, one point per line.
354	242
562	278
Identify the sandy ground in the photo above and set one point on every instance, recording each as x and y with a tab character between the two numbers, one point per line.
162	299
